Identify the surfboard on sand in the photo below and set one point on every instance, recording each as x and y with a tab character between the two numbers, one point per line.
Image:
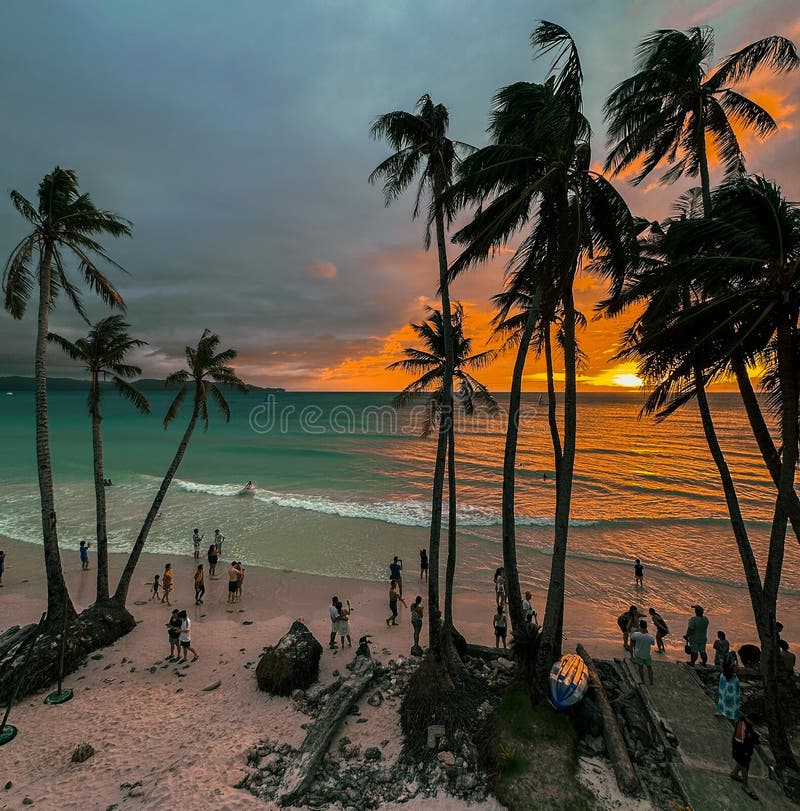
569	680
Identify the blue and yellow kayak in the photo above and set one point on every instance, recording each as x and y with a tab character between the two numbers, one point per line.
569	680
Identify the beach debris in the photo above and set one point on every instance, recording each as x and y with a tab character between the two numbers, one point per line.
97	656
247	622
213	686
83	751
291	664
27	801
376	699
8	785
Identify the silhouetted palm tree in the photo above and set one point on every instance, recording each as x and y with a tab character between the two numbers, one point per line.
423	149
206	371
430	362
65	226
103	353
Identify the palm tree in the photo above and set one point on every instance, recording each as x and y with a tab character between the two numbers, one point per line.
673	106
422	148
742	264
65	223
536	173
430	362
103	352
206	371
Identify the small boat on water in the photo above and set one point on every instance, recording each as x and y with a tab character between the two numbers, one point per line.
569	680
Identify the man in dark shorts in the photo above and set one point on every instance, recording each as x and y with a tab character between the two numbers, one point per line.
233	582
394	596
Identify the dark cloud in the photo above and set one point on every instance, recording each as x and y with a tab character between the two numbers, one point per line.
235	137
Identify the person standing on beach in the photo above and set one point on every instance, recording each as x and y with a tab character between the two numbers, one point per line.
213	557
417	612
84	552
196	541
334	614
395	573
2	565
186	636
423	564
199	585
343	623
394	596
233	582
628	622
174	634
729	691
642	643
721	649
239	579
500	625
527	609
638	573
500	587
744	741
219	539
154	595
662	629
697	636
166	584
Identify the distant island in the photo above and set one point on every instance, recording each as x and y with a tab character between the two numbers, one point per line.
15	383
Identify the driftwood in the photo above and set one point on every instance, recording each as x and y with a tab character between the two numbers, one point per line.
617	751
299	777
485	652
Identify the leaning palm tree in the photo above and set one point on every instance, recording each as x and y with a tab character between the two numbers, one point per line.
742	263
103	353
668	111
537	174
65	226
207	370
430	362
422	148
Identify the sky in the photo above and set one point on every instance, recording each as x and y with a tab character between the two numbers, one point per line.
235	137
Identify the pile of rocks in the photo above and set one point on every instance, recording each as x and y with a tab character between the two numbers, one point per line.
356	777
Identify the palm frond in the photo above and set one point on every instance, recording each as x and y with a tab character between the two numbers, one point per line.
133	395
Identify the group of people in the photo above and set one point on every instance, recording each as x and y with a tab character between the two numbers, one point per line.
417	610
500	621
179	634
340	622
235	580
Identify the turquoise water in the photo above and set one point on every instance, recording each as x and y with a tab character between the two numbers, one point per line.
344	484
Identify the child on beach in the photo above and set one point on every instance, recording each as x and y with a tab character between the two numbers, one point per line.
154	595
721	649
642	643
166	584
394	596
500	627
84	552
417	612
199	585
186	636
174	634
638	573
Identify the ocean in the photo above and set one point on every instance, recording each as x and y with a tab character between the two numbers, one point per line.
343	484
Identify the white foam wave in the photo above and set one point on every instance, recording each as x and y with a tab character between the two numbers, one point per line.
210	489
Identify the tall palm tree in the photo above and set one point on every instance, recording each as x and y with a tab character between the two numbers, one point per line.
103	353
669	110
423	149
537	173
742	264
206	370
430	362
65	225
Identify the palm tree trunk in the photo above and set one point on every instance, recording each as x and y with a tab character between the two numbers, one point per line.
552	421
450	569
513	591
100	498
121	594
445	420
552	629
58	600
766	446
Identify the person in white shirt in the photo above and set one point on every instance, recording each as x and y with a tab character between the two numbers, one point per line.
642	646
186	636
527	609
334	612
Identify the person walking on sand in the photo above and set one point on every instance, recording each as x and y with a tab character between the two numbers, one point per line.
199	585
334	614
417	612
166	584
500	627
174	635
343	623
729	690
395	573
394	596
213	557
197	539
423	564
156	578
697	636
662	629
186	636
638	574
643	643
527	609
743	742
721	649
84	553
233	582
